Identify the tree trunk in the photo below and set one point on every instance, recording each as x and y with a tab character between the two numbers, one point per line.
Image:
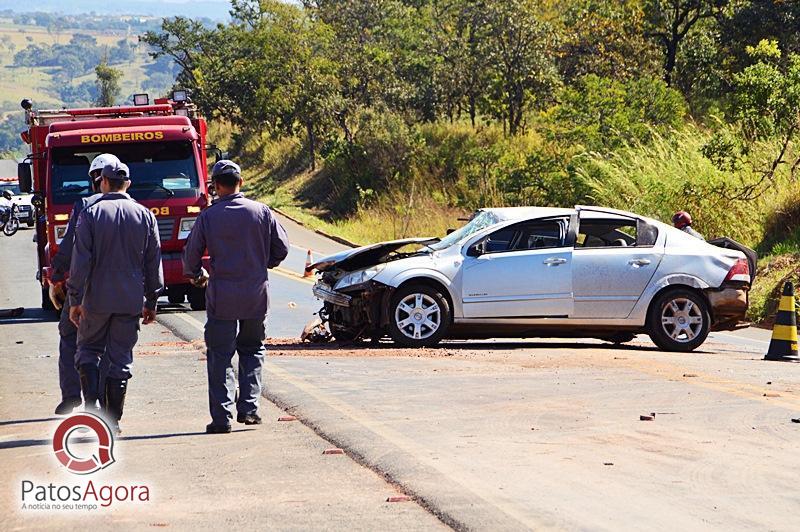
311	145
669	61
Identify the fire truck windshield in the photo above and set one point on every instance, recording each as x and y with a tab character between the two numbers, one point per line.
158	170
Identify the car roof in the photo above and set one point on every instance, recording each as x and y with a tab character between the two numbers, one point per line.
526	213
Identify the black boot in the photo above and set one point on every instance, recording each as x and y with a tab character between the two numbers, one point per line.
67	405
115	401
90	386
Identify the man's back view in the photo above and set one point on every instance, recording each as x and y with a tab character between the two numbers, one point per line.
115	277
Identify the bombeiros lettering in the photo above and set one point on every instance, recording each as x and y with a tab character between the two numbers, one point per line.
102	138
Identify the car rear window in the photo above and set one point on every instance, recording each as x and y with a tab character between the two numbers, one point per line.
617	232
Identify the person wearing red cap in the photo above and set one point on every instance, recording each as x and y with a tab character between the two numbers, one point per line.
683	221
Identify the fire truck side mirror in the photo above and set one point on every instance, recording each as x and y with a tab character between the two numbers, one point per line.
24	176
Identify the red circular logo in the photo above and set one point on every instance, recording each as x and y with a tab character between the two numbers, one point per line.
105	440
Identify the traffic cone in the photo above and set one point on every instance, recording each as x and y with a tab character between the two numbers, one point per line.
783	345
307	271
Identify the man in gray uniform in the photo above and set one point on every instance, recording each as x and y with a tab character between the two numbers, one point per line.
243	239
67	372
115	277
683	220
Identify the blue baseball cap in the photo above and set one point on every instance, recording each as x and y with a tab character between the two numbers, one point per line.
116	170
225	167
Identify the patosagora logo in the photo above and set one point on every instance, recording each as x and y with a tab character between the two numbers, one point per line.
104	456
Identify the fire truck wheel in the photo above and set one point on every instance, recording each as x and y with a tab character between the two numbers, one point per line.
197	298
176	296
46	303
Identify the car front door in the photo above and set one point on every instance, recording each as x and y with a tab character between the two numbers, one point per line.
521	271
615	258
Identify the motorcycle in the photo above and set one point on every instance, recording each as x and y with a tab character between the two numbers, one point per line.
9	223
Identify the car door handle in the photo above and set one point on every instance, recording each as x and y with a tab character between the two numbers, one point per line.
639	262
554	261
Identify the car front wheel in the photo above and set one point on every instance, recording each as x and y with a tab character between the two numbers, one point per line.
679	320
419	316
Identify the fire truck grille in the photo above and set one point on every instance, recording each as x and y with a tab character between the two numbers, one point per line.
165	228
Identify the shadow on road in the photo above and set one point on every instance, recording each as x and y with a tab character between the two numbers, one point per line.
21	421
15	444
446	346
32	315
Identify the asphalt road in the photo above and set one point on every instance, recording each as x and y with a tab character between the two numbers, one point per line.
274	476
510	435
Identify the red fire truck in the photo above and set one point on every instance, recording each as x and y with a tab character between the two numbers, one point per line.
164	146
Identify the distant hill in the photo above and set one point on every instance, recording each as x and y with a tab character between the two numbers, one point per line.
216	10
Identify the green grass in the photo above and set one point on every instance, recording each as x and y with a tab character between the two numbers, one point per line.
773	272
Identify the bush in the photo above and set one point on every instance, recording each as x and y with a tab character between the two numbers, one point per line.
602	114
666	175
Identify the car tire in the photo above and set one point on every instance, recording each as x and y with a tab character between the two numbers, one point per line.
679	320
413	305
197	298
30	224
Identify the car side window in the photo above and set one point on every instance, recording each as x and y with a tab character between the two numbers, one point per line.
539	234
607	233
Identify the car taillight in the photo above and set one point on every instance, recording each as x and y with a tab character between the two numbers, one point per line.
740	271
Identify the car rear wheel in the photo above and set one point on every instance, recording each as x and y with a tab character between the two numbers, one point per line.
419	316
679	320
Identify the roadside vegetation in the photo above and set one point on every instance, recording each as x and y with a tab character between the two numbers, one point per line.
380	119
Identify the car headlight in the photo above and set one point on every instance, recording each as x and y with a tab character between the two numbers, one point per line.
186	228
60	231
358	277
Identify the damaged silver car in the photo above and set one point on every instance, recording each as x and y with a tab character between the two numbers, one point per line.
540	272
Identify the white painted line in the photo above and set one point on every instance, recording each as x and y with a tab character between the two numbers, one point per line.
739	339
191	320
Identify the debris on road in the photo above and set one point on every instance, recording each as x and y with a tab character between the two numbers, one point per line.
398	498
333	451
690	375
646	418
796	420
287	418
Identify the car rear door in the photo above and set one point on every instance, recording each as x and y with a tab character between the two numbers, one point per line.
521	271
614	260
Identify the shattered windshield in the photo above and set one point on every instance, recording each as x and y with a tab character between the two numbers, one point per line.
479	222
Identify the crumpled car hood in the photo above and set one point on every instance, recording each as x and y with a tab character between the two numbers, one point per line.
365	256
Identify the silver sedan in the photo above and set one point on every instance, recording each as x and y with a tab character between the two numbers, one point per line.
540	272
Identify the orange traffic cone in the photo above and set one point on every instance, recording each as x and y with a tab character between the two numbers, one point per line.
783	345
307	271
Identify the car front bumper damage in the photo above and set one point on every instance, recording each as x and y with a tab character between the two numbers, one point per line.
357	311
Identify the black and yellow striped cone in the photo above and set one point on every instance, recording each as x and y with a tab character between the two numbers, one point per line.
783	345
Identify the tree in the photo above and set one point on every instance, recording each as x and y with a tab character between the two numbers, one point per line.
765	106
669	21
606	38
520	54
108	88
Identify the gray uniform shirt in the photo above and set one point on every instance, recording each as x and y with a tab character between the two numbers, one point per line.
243	240
116	259
62	259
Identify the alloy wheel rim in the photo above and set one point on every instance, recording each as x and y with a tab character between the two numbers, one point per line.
681	320
418	316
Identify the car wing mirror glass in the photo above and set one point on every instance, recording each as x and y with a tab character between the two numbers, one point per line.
476	250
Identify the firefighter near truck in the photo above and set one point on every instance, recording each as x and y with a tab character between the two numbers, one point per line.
163	144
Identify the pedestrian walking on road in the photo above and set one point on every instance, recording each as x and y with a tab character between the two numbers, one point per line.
68	378
244	240
114	278
683	221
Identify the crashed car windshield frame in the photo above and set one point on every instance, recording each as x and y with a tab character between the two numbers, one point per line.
479	222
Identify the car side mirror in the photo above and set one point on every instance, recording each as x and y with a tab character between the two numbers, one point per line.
476	250
24	177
